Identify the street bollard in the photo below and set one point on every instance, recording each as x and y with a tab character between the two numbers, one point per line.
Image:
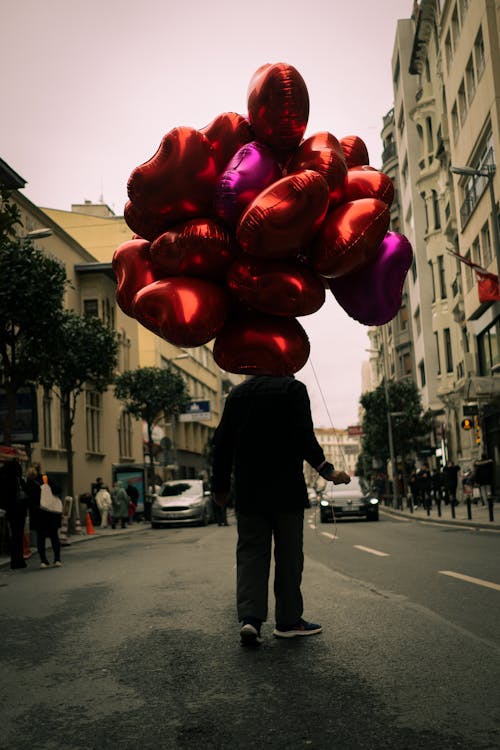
453	515
490	509
469	509
438	506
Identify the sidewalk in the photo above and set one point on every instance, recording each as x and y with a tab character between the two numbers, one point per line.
480	515
73	539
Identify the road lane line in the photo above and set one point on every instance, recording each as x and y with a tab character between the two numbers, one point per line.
470	579
371	551
330	536
312	526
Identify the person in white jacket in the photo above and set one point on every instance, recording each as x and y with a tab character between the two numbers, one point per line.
104	503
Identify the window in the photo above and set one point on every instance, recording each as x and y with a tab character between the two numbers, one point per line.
401	121
464	7
442	277
462	103
431	269
455	124
476	252
93	413
486	244
469	276
125	435
47	418
448	51
470	79
407	363
403	318
395	76
479	53
418	324
414	269
438	356
436	211
447	349
421	370
404	171
422	195
430	134
488	346
91	307
455	28
427	70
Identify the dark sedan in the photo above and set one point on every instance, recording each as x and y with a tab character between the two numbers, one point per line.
353	500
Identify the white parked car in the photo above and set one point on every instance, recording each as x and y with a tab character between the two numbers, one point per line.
182	501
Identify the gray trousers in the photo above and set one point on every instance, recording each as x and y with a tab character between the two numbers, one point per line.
253	557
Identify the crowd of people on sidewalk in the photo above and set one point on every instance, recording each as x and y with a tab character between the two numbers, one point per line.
31	502
448	484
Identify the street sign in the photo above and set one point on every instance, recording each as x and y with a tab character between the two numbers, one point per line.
197	411
470	410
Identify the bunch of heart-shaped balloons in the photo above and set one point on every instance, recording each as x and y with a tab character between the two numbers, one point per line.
241	226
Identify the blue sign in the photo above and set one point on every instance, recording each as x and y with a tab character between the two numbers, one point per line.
197	410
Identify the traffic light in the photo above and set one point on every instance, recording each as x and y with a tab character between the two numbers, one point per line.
477	427
467	423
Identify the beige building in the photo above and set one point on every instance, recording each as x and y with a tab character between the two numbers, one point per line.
341	448
180	443
446	73
104	438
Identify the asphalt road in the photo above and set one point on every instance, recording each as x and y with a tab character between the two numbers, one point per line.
134	643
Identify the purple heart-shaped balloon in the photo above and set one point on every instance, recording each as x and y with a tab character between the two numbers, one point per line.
252	168
372	295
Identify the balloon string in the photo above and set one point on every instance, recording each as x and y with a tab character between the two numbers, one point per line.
339	444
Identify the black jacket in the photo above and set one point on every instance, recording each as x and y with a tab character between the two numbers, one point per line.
265	434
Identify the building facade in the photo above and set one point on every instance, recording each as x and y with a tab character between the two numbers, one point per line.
441	143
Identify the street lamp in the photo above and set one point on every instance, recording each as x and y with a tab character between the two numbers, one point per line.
37	234
488	171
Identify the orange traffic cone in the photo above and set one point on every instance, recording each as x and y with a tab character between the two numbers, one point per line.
26	547
90	525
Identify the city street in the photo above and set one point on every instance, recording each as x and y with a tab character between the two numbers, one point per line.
134	643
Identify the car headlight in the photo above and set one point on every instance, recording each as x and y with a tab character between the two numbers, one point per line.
324	503
373	501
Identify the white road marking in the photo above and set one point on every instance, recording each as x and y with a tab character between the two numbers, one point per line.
470	579
372	551
312	526
330	536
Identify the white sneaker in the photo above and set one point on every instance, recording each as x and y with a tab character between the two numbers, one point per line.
58	564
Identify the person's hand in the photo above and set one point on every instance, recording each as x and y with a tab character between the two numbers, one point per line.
221	499
339	477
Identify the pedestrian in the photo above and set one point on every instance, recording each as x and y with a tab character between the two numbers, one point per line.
104	503
45	522
414	487
120	502
483	477
264	436
14	501
437	485
450	479
94	510
133	495
425	486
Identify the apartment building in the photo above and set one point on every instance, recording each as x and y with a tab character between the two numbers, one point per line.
446	73
180	443
341	448
104	437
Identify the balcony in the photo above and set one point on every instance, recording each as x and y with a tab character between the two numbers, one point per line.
389	152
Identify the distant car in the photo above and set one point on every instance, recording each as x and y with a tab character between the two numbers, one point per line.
181	501
353	500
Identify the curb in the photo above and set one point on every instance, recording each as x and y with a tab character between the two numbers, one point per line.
79	538
443	521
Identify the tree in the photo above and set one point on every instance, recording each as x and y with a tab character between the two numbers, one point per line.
408	428
86	354
152	393
32	287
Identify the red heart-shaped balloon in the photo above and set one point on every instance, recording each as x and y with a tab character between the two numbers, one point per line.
372	294
199	247
278	106
369	183
276	287
178	181
355	151
183	310
350	236
133	270
146	225
323	153
258	344
227	133
285	216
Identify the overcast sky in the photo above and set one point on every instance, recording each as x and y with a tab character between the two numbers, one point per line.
89	89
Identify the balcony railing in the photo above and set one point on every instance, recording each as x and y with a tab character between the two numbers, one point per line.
389	152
